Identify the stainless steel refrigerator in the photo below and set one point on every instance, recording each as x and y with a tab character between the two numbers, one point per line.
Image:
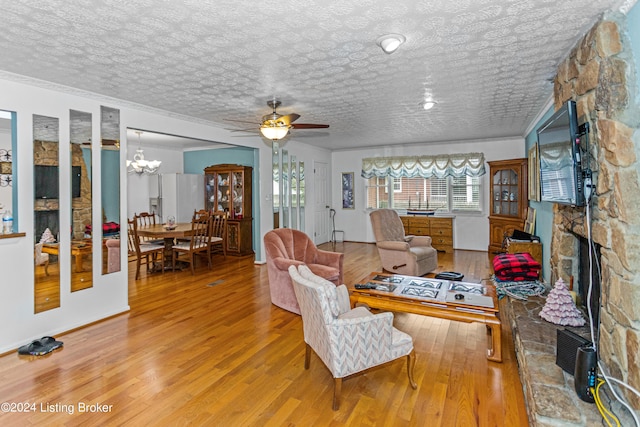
177	195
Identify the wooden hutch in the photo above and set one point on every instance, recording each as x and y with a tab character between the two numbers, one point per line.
228	189
509	200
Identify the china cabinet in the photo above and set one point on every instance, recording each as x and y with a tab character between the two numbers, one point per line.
228	189
509	200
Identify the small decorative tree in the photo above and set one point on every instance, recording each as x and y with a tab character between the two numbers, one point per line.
47	237
560	308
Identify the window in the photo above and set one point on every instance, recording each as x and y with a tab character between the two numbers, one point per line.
444	194
448	182
466	194
377	197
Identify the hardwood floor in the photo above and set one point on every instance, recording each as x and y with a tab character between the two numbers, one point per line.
211	349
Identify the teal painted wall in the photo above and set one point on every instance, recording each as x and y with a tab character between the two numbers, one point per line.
544	210
110	168
196	161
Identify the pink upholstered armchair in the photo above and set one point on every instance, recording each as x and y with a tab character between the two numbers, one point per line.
400	254
285	247
346	340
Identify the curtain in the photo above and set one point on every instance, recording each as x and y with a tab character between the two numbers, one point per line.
438	166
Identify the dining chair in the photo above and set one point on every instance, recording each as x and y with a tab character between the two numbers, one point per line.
41	258
147	253
198	244
146	219
218	241
196	214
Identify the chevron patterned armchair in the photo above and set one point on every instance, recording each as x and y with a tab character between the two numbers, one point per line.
346	340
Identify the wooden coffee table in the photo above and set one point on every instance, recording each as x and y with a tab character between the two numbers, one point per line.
435	298
78	250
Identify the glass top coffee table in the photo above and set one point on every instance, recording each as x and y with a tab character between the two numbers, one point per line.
460	301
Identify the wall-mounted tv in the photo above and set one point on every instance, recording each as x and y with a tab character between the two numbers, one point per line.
561	174
46	182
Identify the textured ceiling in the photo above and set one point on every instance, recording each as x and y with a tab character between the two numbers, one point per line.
486	62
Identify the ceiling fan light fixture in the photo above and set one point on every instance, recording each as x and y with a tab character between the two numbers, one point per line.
390	42
274	133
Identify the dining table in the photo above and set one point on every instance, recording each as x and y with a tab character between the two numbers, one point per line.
168	234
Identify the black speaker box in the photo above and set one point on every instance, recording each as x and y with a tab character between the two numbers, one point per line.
567	346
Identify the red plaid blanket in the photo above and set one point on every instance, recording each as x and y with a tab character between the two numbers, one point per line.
516	267
107	228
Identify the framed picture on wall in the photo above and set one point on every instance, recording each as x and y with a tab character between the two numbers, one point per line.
530	223
347	191
534	174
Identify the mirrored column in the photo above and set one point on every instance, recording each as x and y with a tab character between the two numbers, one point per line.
46	188
81	201
110	186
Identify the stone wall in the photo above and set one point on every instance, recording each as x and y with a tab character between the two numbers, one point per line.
46	153
599	75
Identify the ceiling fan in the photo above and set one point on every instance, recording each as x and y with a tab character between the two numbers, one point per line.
276	126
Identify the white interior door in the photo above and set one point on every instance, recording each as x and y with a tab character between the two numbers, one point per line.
321	205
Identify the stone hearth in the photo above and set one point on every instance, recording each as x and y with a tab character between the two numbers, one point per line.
549	391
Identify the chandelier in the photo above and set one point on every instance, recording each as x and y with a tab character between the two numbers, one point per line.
139	165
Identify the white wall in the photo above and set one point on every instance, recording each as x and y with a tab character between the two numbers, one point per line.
471	231
109	294
138	185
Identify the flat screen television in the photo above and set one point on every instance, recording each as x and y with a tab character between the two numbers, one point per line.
561	174
46	182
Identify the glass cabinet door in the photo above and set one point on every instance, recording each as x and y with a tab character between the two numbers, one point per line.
238	192
223	193
505	193
210	192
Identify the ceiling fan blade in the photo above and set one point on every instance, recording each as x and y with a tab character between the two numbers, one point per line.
308	126
288	119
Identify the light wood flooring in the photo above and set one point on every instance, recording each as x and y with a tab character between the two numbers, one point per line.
212	350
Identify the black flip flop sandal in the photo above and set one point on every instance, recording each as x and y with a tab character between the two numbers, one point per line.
50	342
35	348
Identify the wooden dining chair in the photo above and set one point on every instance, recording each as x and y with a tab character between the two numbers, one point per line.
146	219
198	244
196	214
143	253
218	240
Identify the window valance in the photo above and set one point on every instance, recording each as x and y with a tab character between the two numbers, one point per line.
438	166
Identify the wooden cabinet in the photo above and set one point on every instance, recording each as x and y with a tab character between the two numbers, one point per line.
509	200
439	228
228	189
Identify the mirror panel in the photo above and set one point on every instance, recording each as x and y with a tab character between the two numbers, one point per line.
275	151
81	201
46	137
301	192
110	180
294	192
8	192
285	189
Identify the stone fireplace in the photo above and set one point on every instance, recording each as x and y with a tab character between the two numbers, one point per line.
46	153
599	75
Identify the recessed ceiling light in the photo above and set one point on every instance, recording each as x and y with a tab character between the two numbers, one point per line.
427	105
390	42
